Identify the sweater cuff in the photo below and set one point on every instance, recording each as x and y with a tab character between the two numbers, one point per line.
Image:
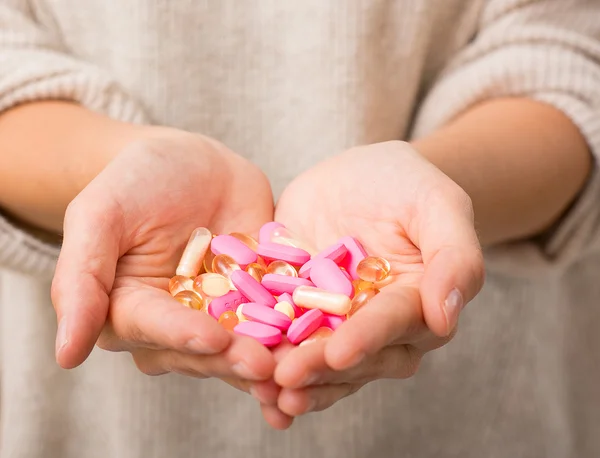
561	79
25	253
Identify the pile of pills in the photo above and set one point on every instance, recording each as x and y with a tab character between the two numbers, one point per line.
276	285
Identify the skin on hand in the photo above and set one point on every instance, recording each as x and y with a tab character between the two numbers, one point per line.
527	162
123	236
404	209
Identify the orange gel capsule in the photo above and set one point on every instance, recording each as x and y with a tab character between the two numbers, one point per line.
373	269
180	283
360	285
261	262
256	270
282	268
250	242
361	299
224	265
190	299
229	320
193	254
284	236
208	261
321	333
213	285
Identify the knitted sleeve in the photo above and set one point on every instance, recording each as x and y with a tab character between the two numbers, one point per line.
547	50
34	66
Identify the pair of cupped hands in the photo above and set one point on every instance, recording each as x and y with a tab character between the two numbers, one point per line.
124	233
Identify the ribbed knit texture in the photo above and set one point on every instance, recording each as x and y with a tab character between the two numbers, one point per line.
287	84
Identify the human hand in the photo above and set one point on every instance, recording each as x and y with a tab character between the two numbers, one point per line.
123	235
401	208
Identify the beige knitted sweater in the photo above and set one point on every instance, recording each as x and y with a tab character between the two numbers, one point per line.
287	83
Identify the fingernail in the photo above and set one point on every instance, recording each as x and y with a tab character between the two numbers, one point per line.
452	307
197	345
242	370
61	336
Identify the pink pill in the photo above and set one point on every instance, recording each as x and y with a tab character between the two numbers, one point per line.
304	271
265	334
326	274
227	302
235	248
266	315
272	251
287	297
346	274
304	326
264	235
356	253
335	252
252	289
279	284
331	321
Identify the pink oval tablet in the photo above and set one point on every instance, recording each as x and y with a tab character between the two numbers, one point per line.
346	274
331	321
265	334
355	254
326	274
335	252
279	284
304	271
304	326
287	297
252	289
235	248
229	301
272	251
264	235
266	315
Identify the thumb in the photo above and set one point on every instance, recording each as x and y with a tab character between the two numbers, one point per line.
84	277
454	267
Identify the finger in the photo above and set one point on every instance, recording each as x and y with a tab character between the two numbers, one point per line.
313	399
265	392
237	383
307	366
454	268
245	358
140	315
394	314
281	350
276	418
83	278
302	366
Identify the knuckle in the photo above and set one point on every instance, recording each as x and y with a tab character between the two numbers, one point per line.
413	361
172	319
108	343
404	362
128	328
148	365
